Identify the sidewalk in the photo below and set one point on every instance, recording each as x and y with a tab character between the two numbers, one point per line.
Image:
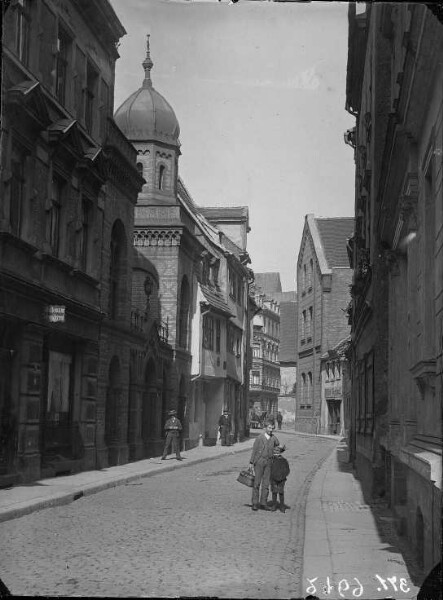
21	500
348	543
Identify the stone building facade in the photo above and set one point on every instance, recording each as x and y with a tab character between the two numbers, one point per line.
264	375
323	280
68	189
270	285
395	90
264	381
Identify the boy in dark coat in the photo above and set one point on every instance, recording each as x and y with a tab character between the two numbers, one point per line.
279	472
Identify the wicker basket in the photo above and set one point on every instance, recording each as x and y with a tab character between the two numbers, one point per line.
246	478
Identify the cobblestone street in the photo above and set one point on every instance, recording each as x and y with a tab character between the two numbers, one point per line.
190	532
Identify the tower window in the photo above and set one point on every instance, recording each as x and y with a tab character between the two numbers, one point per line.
161	177
140	168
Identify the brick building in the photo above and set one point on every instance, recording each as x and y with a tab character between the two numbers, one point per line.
323	280
198	272
68	188
394	89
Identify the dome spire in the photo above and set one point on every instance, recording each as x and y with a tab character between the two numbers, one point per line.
147	65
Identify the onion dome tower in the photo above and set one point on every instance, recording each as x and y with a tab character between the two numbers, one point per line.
150	124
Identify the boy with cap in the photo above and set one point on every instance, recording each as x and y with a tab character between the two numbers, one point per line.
172	428
279	472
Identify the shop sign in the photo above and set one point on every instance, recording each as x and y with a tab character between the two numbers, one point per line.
55	313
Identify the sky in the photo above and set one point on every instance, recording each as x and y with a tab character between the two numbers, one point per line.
259	92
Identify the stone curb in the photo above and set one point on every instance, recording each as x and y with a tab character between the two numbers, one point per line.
88	489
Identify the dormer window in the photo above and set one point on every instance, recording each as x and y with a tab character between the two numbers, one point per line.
161	177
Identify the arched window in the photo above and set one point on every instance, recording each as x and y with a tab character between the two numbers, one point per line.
303	389
161	177
183	317
116	268
140	168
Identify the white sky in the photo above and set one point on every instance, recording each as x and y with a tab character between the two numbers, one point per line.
259	92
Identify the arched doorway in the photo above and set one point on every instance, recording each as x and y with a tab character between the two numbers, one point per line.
112	410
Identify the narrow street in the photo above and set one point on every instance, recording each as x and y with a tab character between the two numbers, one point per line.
187	532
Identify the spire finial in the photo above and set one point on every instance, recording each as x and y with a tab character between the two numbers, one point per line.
147	65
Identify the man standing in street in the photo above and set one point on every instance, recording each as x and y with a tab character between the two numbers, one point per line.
172	428
279	419
260	465
224	424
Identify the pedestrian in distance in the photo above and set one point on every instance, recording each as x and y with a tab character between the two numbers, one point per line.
260	465
279	473
224	423
279	419
172	428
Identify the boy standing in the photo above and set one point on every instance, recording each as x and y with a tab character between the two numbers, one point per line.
279	472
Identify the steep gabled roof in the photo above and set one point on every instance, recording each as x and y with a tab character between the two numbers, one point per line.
334	233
